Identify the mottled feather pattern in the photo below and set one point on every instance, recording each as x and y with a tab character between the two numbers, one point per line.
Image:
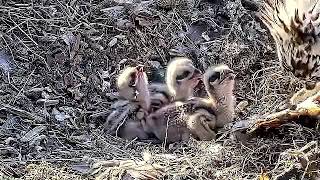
294	25
176	115
122	111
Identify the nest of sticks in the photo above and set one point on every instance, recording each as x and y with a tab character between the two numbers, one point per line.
59	61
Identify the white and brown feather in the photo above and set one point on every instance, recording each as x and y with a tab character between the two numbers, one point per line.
294	25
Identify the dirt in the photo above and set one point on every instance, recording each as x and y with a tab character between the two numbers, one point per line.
59	61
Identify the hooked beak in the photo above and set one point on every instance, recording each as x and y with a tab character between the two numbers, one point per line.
140	68
197	75
139	73
228	74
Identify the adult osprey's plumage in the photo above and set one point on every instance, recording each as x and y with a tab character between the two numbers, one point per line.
294	25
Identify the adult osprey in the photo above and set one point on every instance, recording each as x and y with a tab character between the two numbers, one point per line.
294	25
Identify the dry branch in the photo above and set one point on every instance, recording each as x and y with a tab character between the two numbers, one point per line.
305	112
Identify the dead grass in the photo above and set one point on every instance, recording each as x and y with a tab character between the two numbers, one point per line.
63	59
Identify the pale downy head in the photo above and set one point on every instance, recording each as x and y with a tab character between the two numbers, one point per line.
219	81
133	85
294	25
181	78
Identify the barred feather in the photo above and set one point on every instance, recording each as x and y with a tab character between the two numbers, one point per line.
294	25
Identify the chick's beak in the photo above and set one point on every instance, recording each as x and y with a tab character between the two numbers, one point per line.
229	74
197	75
140	68
139	73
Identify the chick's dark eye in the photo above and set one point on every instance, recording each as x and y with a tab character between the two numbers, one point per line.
132	79
183	75
214	76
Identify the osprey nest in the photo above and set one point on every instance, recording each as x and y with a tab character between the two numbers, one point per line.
60	61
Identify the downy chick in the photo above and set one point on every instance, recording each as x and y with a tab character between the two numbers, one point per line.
219	84
181	79
125	119
196	116
133	85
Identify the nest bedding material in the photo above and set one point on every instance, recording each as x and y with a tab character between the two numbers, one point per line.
59	61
